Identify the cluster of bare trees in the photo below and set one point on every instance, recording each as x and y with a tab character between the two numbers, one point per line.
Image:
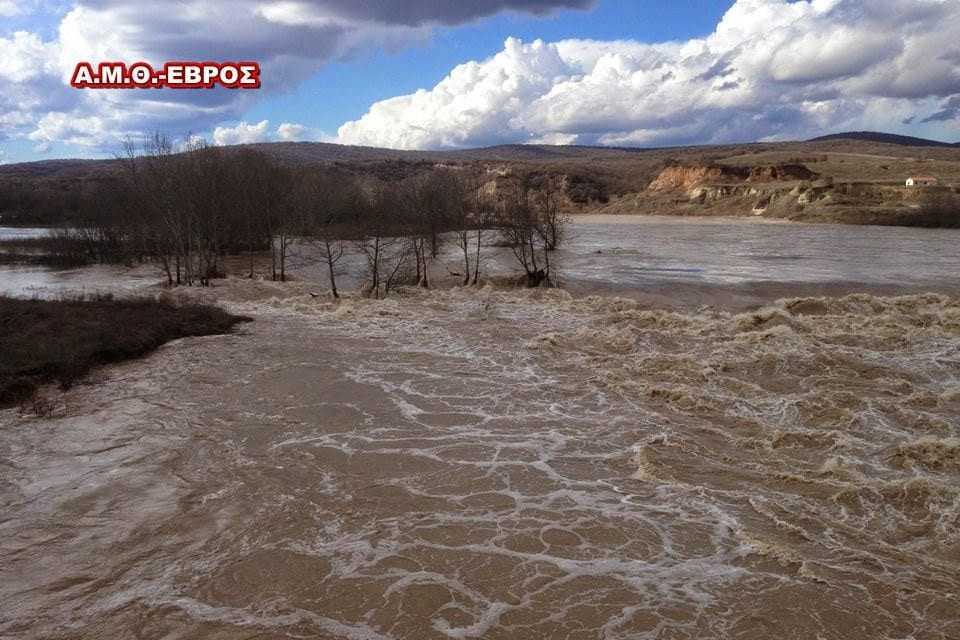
187	209
532	225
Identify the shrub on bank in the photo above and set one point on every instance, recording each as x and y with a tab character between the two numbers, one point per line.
60	341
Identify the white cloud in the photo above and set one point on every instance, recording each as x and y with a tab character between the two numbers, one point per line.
555	139
289	131
243	133
24	57
771	69
291	39
246	133
64	127
32	88
9	8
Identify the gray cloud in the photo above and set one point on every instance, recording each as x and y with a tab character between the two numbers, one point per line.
950	110
391	12
418	12
291	39
719	69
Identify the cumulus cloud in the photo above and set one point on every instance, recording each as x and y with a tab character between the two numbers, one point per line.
290	38
243	133
288	131
247	133
771	69
24	57
32	88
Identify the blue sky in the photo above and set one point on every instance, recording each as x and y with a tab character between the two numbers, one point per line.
343	90
427	74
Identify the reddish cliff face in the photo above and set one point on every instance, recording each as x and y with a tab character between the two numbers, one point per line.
685	178
778	172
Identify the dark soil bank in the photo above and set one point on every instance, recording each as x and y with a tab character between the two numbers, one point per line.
60	341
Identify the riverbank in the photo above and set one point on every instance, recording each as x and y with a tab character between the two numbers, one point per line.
942	212
60	341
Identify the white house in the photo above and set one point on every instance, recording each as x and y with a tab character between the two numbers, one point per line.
921	181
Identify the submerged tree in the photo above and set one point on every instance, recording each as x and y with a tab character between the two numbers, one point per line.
188	208
472	218
388	253
531	230
330	207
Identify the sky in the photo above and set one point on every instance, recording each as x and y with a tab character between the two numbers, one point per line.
435	74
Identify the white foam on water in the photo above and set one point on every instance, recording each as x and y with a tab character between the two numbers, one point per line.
523	464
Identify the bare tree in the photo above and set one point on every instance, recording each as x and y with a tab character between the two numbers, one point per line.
525	226
253	202
149	178
552	221
430	204
330	205
191	207
388	255
473	216
279	217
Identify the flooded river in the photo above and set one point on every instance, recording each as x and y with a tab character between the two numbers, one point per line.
520	464
731	262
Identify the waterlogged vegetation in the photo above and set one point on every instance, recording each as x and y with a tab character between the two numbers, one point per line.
59	341
58	248
190	212
187	211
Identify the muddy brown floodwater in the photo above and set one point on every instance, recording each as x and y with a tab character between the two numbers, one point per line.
503	465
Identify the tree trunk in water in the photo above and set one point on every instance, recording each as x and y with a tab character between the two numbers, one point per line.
536	278
466	259
476	264
333	279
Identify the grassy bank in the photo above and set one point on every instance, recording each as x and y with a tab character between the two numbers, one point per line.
60	341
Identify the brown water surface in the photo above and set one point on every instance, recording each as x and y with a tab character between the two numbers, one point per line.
484	464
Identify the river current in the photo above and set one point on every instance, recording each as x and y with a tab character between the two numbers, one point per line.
490	463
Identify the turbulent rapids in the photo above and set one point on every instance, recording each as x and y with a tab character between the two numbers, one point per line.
494	464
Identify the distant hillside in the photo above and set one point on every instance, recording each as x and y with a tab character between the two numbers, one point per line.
312	153
617	179
307	153
884	138
54	169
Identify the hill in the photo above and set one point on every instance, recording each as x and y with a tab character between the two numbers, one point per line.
884	138
868	170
